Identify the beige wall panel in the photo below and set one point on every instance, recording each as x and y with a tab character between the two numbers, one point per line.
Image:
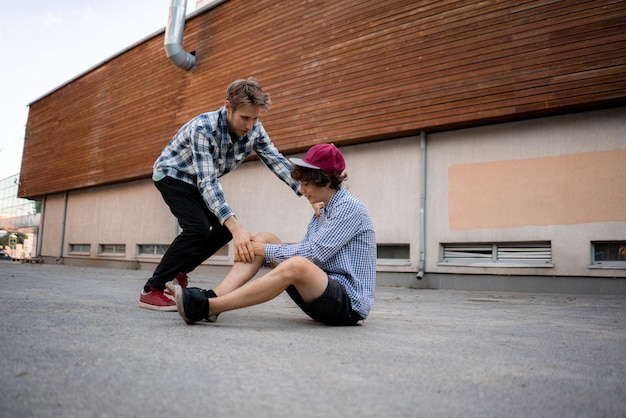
384	175
52	226
569	189
262	202
129	213
591	135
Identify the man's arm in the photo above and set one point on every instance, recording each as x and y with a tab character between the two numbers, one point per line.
274	160
258	245
203	146
244	251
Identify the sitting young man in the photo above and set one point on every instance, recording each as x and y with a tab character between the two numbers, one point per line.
330	274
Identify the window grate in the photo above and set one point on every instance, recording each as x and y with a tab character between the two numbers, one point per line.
458	252
80	249
509	254
152	249
112	249
524	252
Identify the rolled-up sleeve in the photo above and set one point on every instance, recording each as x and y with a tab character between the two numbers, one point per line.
274	160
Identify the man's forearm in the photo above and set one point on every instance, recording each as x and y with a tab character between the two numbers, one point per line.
232	224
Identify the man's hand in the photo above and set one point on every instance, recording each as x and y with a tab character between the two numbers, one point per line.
317	207
244	252
257	247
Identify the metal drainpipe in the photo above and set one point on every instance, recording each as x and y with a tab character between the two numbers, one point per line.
63	227
174	36
421	271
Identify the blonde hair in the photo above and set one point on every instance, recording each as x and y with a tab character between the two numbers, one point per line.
249	91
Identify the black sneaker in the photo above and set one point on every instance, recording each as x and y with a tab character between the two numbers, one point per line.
192	306
171	286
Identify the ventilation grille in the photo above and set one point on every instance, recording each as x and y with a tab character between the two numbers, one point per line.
513	254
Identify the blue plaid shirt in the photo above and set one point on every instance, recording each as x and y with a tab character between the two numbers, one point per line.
343	244
203	151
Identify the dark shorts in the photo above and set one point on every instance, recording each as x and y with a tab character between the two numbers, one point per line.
332	308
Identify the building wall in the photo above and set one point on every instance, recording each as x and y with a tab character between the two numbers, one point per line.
553	179
51	232
126	214
134	213
386	175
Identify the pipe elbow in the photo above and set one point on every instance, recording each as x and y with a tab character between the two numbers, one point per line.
181	58
174	36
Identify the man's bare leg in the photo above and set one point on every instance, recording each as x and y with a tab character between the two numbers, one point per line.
310	280
240	273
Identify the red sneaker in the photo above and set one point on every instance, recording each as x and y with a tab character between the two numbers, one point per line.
181	279
157	301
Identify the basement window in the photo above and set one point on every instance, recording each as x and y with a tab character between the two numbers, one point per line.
80	249
112	249
393	254
497	254
152	249
608	254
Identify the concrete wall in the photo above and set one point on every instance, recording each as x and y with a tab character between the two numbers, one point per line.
129	213
577	161
580	161
52	226
384	175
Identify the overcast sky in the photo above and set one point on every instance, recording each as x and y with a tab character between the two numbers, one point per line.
45	43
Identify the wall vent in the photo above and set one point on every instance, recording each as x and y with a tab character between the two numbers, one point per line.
497	254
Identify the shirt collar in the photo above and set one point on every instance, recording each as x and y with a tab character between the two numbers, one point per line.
334	199
223	125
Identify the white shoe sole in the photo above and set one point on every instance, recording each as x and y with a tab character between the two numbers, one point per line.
178	294
157	308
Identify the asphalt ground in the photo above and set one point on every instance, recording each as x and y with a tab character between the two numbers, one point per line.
74	343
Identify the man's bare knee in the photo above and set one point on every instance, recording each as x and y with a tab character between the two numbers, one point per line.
298	264
267	237
309	279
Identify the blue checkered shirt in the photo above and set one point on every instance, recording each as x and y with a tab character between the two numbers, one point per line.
343	244
203	151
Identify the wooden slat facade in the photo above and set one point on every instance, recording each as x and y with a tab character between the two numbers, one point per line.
340	71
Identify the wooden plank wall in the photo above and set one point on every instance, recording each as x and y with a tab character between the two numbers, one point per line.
338	71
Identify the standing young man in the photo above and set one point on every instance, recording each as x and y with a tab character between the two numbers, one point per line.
187	174
330	274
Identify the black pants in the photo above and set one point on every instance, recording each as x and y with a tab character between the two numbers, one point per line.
202	233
